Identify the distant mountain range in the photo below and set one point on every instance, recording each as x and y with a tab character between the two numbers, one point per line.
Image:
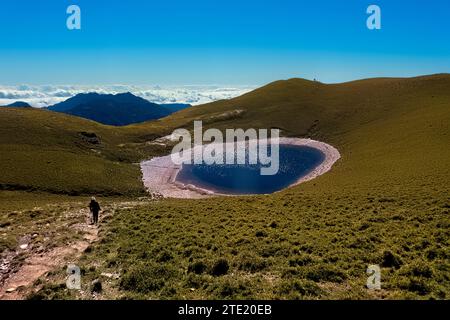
19	104
115	109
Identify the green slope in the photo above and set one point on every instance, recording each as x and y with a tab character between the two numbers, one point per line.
385	202
47	151
384	128
301	107
66	161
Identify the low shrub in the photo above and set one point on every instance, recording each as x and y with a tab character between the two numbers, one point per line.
147	278
197	267
220	267
251	263
298	289
325	274
390	260
231	289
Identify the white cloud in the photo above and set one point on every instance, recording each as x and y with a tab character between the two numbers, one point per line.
41	96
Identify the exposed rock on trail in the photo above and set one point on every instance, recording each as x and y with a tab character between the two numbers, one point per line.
18	276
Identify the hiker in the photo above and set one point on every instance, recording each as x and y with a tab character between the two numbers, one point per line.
95	208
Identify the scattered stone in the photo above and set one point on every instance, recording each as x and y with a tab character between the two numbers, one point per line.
156	196
4	266
24	246
9	290
105	274
40	249
110	275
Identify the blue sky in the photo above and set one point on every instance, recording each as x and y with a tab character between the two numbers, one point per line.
219	42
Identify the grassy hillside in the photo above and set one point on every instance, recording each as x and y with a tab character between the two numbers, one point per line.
47	151
386	201
72	155
300	107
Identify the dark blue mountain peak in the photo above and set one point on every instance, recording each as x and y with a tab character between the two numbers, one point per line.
114	109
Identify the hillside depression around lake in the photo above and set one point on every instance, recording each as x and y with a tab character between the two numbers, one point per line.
299	160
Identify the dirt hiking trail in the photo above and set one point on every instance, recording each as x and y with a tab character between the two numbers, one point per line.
20	268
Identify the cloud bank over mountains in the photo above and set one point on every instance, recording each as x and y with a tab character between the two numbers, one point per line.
45	95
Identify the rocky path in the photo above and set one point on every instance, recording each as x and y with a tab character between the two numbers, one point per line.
19	269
